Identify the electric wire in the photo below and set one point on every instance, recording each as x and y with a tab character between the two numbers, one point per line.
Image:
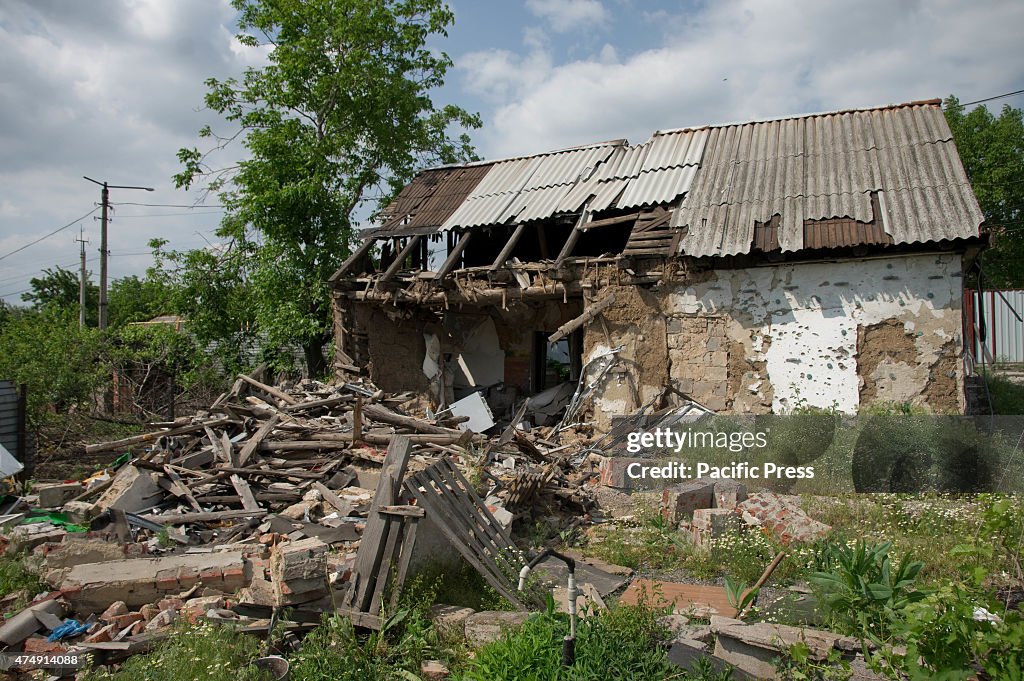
47	236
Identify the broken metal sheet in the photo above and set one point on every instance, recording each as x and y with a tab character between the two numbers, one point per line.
826	167
8	464
475	407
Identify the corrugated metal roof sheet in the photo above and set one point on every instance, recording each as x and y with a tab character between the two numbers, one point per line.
823	167
675	149
657	186
534	186
448	197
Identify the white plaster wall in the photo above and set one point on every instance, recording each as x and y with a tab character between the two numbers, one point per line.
811	313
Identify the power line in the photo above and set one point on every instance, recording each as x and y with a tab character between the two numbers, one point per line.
163	205
166	215
989	99
47	236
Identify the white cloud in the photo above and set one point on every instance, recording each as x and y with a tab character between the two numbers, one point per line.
746	59
569	15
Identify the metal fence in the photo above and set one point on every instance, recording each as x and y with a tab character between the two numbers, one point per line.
14	435
995	326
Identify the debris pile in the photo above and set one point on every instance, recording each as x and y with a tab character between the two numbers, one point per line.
325	498
306	498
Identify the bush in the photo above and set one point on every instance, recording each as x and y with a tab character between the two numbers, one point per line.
863	588
59	361
621	643
14	577
334	652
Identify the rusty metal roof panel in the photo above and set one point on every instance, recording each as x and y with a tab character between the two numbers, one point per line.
448	196
826	167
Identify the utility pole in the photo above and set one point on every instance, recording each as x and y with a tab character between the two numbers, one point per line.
81	281
105	203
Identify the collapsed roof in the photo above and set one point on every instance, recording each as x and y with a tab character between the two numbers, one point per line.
881	176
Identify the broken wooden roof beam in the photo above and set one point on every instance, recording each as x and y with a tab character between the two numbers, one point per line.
454	257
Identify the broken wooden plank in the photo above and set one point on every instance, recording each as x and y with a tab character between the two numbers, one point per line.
340	505
306	475
453	257
317	404
184	490
588	314
371	549
610	221
461	438
382	414
407	511
249	502
156	435
212	516
353	259
253	442
399	262
507	250
270	390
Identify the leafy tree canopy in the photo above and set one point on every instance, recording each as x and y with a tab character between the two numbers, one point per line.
992	150
59	288
340	116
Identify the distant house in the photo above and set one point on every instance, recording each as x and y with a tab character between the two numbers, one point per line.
752	267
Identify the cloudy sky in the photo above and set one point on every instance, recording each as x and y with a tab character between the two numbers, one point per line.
112	89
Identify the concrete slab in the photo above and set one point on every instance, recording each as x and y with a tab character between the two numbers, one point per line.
92	587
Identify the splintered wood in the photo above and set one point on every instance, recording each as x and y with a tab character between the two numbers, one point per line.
467	523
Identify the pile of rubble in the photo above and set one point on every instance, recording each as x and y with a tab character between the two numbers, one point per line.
272	498
321	499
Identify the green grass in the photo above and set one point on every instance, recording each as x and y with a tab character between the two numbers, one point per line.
926	527
621	643
15	578
1007	396
205	651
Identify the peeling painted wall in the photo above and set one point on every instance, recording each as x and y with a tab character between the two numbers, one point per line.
836	334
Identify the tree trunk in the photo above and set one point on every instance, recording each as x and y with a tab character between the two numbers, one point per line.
316	365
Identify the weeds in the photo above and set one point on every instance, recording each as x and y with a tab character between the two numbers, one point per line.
204	651
334	652
15	578
621	643
1007	396
862	587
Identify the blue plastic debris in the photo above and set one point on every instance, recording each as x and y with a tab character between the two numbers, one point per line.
67	630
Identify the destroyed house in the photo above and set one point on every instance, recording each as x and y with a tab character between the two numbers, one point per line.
757	267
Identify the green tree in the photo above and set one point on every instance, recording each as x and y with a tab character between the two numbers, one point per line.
211	290
992	150
59	361
139	299
59	288
340	116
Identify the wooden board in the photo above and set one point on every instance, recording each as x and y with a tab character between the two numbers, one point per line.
681	597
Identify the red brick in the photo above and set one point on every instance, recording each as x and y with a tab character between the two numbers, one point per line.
211	575
168	584
117	608
102	635
38	645
122	621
